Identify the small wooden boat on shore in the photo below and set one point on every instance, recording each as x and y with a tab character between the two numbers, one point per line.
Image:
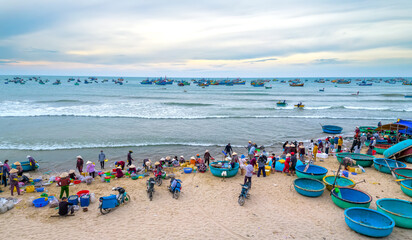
362	160
26	166
399	210
406	187
331	129
369	222
380	148
309	187
365	129
398	148
313	172
381	164
340	182
349	197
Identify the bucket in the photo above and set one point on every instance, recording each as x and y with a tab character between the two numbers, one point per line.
74	199
82	192
84	201
30	189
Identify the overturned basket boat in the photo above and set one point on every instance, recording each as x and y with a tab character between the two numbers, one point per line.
309	187
363	160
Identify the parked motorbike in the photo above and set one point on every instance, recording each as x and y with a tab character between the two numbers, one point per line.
244	193
150	188
108	203
175	187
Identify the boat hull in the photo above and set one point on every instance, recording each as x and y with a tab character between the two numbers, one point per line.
399	210
362	160
406	187
380	148
313	172
350	197
341	182
218	171
309	187
369	222
381	166
402	173
331	129
397	148
26	166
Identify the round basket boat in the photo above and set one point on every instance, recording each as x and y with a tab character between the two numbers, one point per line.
363	160
402	173
369	222
380	148
223	171
399	210
340	182
309	187
406	187
398	148
349	197
382	166
313	172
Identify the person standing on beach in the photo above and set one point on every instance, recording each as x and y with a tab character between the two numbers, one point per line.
64	183
79	164
5	169
327	146
90	169
129	158
19	169
249	146
336	140
310	149
102	157
207	157
287	161
293	161
261	165
242	166
253	160
249	174
251	152
273	163
302	153
228	150
32	162
340	143
14	181
315	152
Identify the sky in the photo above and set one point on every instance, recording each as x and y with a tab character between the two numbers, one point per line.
214	38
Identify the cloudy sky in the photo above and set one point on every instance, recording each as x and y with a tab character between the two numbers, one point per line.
259	38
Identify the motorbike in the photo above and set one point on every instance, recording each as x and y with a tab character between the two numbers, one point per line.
175	187
150	188
108	203
158	177
244	193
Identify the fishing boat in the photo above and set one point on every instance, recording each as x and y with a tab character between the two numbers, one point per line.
406	187
26	166
221	169
369	222
362	160
380	148
403	173
296	84
321	90
340	182
268	87
365	129
309	187
349	197
313	171
385	165
364	83
408	96
331	129
281	103
399	210
398	148
300	105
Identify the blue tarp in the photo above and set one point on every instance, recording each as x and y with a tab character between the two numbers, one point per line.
405	123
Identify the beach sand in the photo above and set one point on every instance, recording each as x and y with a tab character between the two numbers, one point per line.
206	209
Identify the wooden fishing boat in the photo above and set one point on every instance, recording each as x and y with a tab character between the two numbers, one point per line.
223	171
362	160
340	182
366	129
349	197
26	166
406	187
382	166
313	172
397	148
399	210
296	84
369	222
281	104
299	106
402	173
309	187
331	129
380	148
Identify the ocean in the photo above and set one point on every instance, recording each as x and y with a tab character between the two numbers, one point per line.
55	123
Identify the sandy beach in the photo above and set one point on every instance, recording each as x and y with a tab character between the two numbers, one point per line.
207	209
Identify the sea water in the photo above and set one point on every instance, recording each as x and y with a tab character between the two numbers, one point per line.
55	123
